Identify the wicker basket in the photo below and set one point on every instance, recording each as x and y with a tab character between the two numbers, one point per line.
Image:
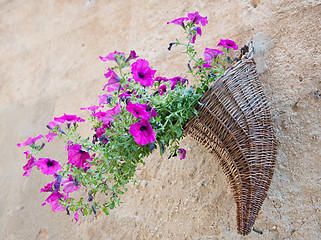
234	123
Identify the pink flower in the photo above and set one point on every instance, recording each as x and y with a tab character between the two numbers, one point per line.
198	32
113	82
138	110
47	188
50	136
48	166
92	108
142	73
108	115
179	21
142	132
206	65
182	153
68	119
77	156
174	81
126	94
70	185
112	56
160	79
53	124
104	99
30	164
53	200
227	43
76	216
132	55
196	18
211	54
30	141
162	89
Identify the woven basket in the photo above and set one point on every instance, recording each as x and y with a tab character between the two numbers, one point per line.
234	123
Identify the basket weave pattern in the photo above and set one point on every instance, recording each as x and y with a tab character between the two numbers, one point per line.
234	123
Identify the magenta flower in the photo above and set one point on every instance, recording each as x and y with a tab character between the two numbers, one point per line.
142	73
138	110
198	32
132	55
47	188
174	81
160	79
113	82
126	94
92	108
104	99
162	89
206	65
68	119
70	185
50	136
142	132
77	156
30	141
53	200
53	124
108	115
227	43
211	54
76	216
179	21
30	164
112	56
196	18
182	153
48	166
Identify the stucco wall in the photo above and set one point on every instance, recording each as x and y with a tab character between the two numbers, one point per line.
49	65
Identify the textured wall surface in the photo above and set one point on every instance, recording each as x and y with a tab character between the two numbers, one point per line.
49	65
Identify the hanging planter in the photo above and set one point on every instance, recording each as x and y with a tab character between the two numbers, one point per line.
225	110
234	123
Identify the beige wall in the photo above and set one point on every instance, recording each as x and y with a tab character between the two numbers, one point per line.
49	65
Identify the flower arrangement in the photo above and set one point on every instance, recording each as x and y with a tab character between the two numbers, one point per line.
138	113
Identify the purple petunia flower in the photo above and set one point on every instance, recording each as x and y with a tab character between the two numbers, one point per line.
126	94
70	185
47	188
206	65
162	89
112	56
48	166
30	141
113	82
211	54
142	73
107	116
104	99
50	136
227	43
77	156
92	108
68	119
53	124
53	200
198	32
76	216
132	55
160	79
179	21
142	132
182	153
30	164
196	18
175	80
138	110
